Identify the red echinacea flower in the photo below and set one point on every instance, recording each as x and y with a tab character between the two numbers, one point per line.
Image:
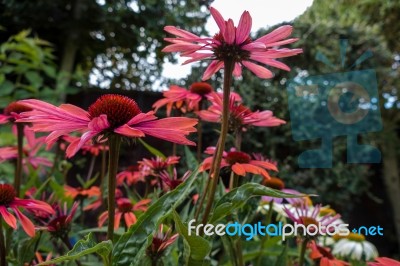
161	241
182	99
9	201
173	181
233	43
323	256
157	164
240	116
126	208
60	224
111	113
240	163
383	261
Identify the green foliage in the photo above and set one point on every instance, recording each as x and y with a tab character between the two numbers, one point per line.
119	42
131	247
238	197
27	69
84	247
196	247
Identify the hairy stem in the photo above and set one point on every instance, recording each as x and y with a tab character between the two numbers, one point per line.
228	66
3	261
18	169
303	252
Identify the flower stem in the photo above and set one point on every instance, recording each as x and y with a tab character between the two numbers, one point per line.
303	252
3	261
18	169
200	134
265	238
228	66
114	144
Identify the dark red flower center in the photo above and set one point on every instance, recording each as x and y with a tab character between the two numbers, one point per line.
60	226
201	88
233	51
16	107
7	194
119	109
125	206
275	183
237	157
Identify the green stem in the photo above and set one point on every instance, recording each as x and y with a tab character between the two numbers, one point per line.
114	142
228	66
18	169
91	167
265	238
303	251
3	261
199	140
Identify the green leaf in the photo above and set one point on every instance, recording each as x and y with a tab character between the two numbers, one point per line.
34	79
196	247
191	160
151	149
237	197
6	88
84	247
131	247
282	259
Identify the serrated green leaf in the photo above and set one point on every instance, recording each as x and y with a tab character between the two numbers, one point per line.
196	247
151	149
131	247
237	197
84	247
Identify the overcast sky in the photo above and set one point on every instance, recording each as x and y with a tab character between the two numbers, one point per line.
264	13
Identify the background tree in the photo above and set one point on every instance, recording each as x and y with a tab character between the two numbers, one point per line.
114	44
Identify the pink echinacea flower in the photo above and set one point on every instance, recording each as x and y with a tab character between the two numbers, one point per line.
109	114
8	200
233	43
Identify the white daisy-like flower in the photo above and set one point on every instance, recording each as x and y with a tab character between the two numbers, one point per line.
355	247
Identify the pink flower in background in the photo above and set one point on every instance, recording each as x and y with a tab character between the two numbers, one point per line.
74	193
161	241
157	164
182	99
60	224
383	261
240	117
9	201
94	148
131	175
30	150
278	184
173	181
240	163
233	43
126	208
306	215
12	112
111	113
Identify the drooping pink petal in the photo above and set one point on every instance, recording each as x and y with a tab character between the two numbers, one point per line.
142	117
117	219
129	131
179	32
276	35
129	218
244	27
267	165
103	218
172	129
270	62
218	19
212	69
77	144
8	217
238	169
27	225
237	71
258	70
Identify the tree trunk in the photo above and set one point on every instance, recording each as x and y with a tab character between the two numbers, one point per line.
69	53
392	182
